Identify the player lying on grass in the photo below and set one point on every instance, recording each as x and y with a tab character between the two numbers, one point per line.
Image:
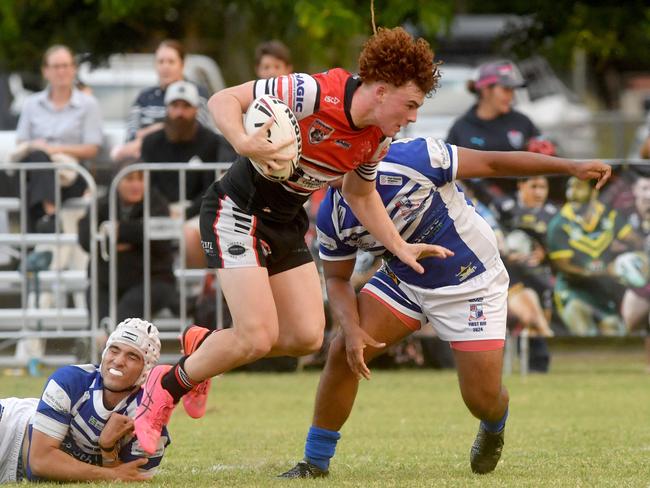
464	296
81	429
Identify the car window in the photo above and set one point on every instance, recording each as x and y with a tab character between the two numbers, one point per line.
115	100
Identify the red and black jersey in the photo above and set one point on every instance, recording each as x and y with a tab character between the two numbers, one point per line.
331	144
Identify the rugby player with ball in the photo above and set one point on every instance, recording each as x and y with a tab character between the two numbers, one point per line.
253	221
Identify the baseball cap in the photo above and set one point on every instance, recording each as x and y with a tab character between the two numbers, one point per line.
503	73
182	90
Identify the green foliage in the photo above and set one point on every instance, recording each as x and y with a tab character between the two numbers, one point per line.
319	33
609	33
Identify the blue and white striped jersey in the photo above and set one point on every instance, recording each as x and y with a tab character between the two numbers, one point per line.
71	409
416	184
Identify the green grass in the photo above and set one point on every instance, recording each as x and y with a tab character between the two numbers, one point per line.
586	424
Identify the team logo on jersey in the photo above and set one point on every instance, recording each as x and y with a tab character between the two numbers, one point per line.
407	209
516	138
477	319
466	271
319	131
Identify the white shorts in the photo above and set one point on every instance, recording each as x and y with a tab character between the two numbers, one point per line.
472	311
15	414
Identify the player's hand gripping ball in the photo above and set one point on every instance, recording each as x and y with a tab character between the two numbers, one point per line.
285	126
632	269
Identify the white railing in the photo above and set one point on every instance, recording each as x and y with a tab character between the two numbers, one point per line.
30	321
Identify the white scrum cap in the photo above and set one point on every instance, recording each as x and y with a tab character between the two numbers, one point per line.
141	335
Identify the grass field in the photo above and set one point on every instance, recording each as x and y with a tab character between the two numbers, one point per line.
587	424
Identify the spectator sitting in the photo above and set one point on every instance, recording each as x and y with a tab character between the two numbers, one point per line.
58	122
81	428
272	58
130	248
148	111
582	240
184	139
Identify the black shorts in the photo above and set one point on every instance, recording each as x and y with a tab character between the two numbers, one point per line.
232	238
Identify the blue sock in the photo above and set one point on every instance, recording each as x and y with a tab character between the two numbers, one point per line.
320	446
497	426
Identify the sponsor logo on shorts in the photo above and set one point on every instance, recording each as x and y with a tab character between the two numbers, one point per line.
477	319
236	249
390	274
266	249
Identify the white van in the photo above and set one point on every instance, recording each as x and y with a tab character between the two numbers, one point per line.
117	83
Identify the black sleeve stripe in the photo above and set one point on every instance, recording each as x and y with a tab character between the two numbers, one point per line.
317	104
366	177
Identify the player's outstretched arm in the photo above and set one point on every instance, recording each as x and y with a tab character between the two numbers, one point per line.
343	305
367	206
489	164
48	461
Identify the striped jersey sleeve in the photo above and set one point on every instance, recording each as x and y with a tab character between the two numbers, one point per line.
434	159
330	246
300	91
53	413
368	171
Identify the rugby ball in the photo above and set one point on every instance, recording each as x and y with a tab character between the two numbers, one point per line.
632	269
285	126
518	241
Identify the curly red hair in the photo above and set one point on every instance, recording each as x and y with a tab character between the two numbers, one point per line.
395	57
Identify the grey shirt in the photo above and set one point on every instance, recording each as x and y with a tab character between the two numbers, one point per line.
78	122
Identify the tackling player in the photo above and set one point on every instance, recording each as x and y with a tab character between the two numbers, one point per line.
463	296
253	228
81	429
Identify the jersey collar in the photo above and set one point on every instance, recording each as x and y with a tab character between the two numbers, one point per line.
351	86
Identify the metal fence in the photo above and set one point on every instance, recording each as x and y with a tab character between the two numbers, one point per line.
30	321
159	228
